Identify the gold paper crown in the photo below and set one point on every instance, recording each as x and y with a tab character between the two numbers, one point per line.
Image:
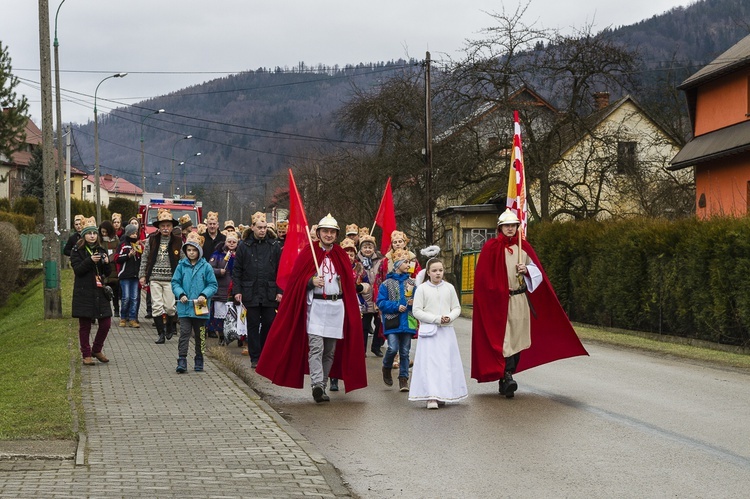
258	216
352	229
364	231
399	255
201	228
164	215
348	244
78	218
89	225
194	237
282	224
212	215
398	234
116	216
229	223
328	222
185	221
367	239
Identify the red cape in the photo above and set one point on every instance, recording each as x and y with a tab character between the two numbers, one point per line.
284	356
552	334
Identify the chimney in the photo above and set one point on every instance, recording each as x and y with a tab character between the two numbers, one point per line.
107	176
601	100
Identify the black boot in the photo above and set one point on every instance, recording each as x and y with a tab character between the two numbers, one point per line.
159	324
169	321
508	385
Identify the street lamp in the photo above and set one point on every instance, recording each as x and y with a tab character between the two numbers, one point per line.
96	149
186	137
182	163
143	158
64	215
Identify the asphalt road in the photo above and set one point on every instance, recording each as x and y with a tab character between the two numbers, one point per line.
619	423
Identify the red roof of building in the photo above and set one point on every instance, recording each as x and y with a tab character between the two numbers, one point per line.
115	184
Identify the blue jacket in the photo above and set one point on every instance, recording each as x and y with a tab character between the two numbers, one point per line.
391	294
192	281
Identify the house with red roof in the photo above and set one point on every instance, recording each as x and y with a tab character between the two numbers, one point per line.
112	186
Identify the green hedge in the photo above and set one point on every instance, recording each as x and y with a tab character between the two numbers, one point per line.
687	278
23	224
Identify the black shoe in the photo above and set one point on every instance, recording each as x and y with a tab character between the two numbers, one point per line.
117	313
508	385
387	378
377	353
169	326
334	385
318	394
325	397
148	316
161	339
253	364
212	334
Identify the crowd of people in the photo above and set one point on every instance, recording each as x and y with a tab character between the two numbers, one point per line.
342	293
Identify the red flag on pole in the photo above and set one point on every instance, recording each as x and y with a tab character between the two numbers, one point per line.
386	217
517	179
296	235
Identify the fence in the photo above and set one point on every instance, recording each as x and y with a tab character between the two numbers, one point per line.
31	247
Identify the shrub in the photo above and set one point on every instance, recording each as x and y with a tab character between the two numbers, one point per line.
10	255
87	209
125	207
4	204
27	205
23	224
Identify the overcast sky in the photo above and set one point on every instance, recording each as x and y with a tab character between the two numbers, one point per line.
166	45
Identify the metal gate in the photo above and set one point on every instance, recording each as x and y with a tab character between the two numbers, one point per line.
468	267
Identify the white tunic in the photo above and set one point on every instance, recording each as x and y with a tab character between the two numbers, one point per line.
438	372
326	317
518	327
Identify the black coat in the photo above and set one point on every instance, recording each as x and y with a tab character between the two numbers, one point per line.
254	275
89	301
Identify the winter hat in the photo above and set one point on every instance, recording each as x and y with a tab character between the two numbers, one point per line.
89	225
352	229
185	222
131	230
196	241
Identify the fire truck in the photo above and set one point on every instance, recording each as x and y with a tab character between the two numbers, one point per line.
147	212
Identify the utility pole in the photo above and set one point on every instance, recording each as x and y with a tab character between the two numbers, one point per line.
51	248
226	213
428	232
64	222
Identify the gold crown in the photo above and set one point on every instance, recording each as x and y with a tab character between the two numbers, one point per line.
398	234
352	229
213	216
367	239
229	223
348	244
258	216
116	216
194	237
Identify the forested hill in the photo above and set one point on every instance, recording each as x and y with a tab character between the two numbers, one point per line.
250	126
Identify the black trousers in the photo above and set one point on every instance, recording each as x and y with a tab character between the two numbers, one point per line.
259	320
511	363
367	327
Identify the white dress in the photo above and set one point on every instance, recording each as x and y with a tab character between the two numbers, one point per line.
438	372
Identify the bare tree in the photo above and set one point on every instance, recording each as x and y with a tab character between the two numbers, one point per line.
13	108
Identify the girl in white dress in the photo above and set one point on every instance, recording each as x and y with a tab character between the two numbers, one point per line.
438	374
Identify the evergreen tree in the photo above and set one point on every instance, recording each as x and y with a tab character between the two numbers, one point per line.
13	122
33	182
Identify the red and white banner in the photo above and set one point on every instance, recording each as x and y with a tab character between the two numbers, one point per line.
517	178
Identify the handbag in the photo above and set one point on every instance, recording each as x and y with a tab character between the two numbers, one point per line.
108	292
393	322
426	329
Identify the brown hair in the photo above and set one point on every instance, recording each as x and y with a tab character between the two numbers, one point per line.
431	261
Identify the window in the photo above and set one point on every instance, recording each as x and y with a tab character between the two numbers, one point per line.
474	239
88	188
626	157
449	240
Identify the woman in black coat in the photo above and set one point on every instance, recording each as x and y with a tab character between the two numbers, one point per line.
91	266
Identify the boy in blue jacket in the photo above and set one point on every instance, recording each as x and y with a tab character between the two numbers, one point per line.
395	298
193	284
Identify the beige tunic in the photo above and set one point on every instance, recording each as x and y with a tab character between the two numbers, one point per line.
518	326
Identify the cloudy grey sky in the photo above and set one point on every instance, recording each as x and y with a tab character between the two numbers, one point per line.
166	45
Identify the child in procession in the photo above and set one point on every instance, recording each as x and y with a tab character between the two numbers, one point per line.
193	284
438	374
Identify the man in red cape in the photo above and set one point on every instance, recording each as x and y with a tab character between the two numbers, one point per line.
552	334
284	359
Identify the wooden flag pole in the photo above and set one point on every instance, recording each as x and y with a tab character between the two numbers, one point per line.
315	257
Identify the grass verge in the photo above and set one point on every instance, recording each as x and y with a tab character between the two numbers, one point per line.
35	367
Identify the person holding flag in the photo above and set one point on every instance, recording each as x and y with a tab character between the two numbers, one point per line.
515	308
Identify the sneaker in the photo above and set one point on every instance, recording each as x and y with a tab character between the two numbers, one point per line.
133	324
253	364
198	363
403	384
181	365
334	385
123	323
387	378
432	404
